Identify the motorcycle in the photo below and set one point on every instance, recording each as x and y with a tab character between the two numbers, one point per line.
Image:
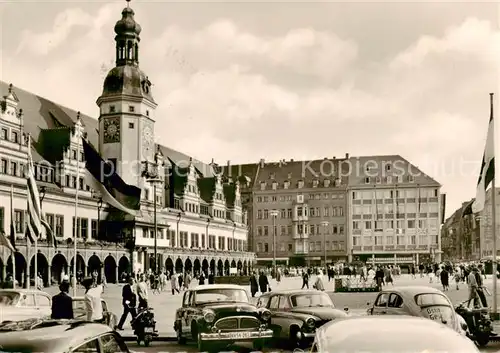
144	326
479	326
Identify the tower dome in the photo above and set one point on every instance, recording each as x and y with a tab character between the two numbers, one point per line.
127	24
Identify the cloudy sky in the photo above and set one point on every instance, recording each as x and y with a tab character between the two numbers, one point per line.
242	81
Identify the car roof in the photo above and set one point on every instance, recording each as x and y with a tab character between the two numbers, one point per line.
391	334
413	290
218	286
52	335
292	291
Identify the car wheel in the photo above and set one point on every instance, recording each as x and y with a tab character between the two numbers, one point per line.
258	345
180	338
296	341
482	340
147	340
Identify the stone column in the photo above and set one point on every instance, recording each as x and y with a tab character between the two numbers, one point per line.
417	260
49	276
117	273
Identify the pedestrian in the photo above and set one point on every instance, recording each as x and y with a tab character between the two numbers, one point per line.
480	288
93	303
62	303
318	285
254	286
174	283
187	280
263	283
129	302
472	284
211	277
163	281
305	280
388	276
278	276
201	279
457	279
444	275
142	292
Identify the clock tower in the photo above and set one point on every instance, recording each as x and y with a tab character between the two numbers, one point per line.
126	119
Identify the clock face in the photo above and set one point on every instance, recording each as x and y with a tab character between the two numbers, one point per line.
112	130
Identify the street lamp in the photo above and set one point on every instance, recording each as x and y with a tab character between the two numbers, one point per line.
324	224
274	214
155	181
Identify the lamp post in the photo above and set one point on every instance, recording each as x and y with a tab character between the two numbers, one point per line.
324	224
274	214
154	182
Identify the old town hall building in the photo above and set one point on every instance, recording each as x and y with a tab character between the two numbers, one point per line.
200	220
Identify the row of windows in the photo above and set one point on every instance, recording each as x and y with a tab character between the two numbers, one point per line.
314	229
394	240
389	179
131	109
56	222
391	194
391	224
205	210
289	198
10	135
313	246
300	184
329	211
410	207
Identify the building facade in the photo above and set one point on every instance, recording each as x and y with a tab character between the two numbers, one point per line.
486	224
460	235
200	220
394	212
299	206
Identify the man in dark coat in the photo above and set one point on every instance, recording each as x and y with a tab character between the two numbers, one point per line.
129	302
254	286
263	282
62	303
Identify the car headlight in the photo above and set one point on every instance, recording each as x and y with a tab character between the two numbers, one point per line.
265	315
311	323
208	316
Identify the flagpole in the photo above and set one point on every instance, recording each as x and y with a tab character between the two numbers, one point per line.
12	222
35	236
75	248
493	220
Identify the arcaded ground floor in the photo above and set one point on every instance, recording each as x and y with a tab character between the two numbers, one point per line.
112	262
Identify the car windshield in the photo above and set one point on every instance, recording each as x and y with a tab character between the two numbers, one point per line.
9	298
431	299
311	300
221	295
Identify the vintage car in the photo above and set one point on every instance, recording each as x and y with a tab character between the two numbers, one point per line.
21	304
420	301
395	334
296	314
218	315
71	336
79	312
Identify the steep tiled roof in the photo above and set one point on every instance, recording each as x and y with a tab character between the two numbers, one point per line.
244	173
52	143
378	167
229	194
41	114
207	188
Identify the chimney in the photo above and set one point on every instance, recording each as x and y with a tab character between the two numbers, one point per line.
334	158
291	160
347	156
262	162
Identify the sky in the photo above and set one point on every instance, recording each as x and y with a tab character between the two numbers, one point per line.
242	81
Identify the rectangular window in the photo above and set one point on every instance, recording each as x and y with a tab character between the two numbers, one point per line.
19	221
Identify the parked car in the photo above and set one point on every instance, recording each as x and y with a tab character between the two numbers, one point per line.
395	334
218	315
421	301
79	311
296	314
21	304
75	336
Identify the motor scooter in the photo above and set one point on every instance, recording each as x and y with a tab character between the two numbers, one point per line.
479	325
144	326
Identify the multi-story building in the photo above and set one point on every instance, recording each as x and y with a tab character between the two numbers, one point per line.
486	229
394	211
301	207
200	220
460	235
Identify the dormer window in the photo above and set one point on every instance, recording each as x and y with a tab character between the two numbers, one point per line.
378	180
3	134
300	184
15	137
389	180
367	180
286	184
263	185
388	167
275	185
315	183
399	178
289	176
411	178
338	182
271	176
326	183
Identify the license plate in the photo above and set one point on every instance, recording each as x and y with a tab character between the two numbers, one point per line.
435	314
148	330
240	335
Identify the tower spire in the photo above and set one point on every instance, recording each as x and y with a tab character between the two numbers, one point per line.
127	38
